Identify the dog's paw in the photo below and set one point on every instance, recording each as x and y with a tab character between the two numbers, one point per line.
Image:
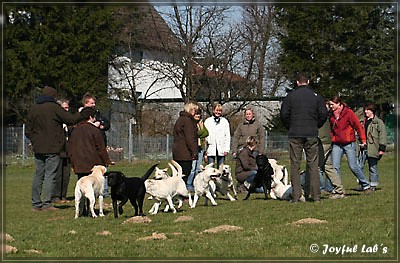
120	210
101	214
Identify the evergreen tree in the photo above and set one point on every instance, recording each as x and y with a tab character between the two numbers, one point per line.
65	46
348	49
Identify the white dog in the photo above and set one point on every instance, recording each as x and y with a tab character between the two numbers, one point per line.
280	172
167	188
91	186
201	184
224	183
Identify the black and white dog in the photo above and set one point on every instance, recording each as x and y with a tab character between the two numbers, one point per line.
263	177
124	188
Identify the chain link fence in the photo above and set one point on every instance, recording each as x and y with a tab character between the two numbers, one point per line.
18	149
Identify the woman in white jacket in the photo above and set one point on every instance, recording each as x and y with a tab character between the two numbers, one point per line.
219	136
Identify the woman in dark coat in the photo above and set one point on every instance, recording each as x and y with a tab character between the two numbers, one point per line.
185	147
86	147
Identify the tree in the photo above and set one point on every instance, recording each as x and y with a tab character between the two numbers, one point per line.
346	48
66	46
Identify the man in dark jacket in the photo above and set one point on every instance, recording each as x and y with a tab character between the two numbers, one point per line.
303	111
44	128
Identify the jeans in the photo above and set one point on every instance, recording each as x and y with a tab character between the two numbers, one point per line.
350	151
195	170
372	168
324	183
44	179
220	160
250	179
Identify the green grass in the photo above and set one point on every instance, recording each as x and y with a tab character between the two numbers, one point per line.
267	232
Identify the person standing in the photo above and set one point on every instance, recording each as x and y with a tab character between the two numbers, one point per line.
249	127
185	148
64	170
202	133
333	182
86	147
101	122
219	137
344	123
44	128
375	131
303	112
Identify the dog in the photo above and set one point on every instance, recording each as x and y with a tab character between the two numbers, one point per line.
91	186
224	183
167	189
201	184
280	172
263	177
124	188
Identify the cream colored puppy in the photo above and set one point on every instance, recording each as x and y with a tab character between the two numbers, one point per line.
91	186
167	189
202	186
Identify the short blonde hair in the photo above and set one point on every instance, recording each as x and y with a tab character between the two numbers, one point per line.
251	141
217	106
190	106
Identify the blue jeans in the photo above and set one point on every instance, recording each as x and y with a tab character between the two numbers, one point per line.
250	179
44	179
350	151
195	170
220	160
324	182
372	168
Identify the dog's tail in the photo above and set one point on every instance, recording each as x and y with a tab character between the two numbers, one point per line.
149	172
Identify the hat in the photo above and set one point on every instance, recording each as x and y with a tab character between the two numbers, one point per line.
49	91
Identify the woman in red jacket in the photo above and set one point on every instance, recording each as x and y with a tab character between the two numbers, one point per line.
344	123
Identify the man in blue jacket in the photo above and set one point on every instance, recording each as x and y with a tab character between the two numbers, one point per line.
302	112
44	128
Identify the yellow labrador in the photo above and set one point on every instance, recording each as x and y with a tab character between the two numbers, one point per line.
91	186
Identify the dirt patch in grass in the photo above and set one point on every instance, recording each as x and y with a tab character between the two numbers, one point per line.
138	220
222	228
154	236
183	219
104	233
9	249
308	220
7	237
33	251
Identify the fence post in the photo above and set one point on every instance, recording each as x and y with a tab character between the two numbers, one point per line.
23	144
132	122
167	147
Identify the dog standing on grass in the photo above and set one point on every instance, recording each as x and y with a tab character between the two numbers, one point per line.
201	184
92	187
263	177
224	183
124	188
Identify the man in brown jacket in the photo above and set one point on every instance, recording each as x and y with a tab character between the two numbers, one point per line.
44	128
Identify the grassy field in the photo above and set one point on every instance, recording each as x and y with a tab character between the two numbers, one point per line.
357	227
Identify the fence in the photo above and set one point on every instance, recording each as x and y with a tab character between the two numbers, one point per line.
18	149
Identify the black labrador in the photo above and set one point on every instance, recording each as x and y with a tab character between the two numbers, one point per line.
263	177
124	188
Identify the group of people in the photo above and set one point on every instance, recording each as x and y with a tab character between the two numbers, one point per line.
323	130
196	142
62	140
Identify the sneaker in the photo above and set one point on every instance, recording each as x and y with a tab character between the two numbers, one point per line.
50	208
373	188
336	196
